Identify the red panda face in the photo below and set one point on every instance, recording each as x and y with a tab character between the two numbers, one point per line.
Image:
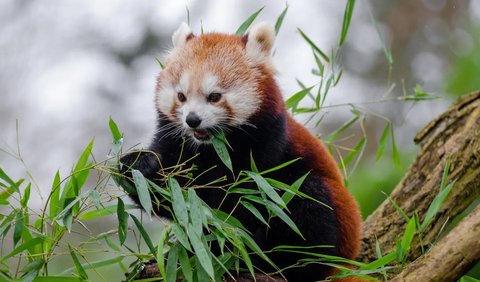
211	82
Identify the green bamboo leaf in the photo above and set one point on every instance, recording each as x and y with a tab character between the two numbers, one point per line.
143	191
358	148
380	262
55	196
287	197
435	206
114	129
386	50
395	154
446	170
171	268
19	226
347	17
383	141
26	196
178	202
254	211
104	211
408	236
144	234
7	179
201	251
122	217
253	165
294	100
181	236
185	264
284	217
160	256
315	47
246	258
220	145
280	19
267	188
81	272
196	211
335	134
246	24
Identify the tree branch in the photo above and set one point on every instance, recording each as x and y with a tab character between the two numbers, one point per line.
454	135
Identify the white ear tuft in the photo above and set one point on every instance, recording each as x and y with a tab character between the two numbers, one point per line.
260	41
181	35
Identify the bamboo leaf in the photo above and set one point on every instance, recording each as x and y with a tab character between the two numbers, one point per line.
294	100
185	264
196	211
178	202
143	191
80	270
435	206
26	196
315	47
19	226
358	148
181	236
201	252
246	24
160	256
220	145
254	211
280	19
55	196
171	268
122	217
347	17
395	154
144	234
267	188
114	129
335	134
408	236
283	216
104	211
383	141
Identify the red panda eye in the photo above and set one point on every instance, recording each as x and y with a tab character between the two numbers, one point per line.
181	97
214	97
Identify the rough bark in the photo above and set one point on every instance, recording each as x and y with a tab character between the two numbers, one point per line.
450	258
454	135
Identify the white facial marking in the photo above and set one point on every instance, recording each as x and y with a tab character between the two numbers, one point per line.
166	96
209	84
184	83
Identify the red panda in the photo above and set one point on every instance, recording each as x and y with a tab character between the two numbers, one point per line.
221	81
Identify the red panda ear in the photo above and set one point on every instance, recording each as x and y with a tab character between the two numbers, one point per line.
259	41
182	35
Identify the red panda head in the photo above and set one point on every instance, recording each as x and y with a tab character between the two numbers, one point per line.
213	81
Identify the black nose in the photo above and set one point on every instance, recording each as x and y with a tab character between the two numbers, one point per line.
193	120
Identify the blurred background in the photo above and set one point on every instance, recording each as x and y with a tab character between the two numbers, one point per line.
68	66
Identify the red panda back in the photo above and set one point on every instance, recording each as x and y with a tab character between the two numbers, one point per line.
346	208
